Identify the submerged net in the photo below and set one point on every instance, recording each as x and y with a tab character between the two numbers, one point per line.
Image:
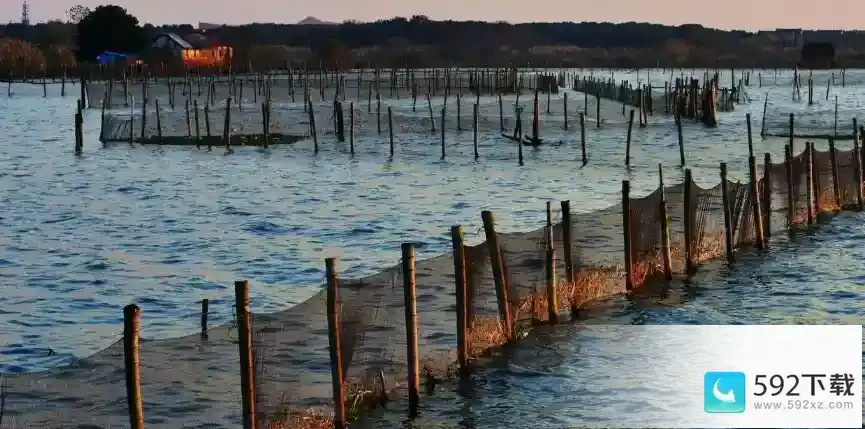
193	381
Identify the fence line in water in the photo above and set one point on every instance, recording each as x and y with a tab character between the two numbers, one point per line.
352	336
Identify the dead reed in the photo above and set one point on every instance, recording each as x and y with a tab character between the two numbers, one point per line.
711	246
827	202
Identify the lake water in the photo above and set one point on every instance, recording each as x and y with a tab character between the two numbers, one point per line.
166	227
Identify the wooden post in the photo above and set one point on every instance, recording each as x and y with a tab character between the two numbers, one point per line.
809	159
836	185
351	127
767	196
431	118
857	172
411	327
689	211
378	111
443	132
498	272
462	297
626	233
390	127
567	240
791	207
312	129
681	140
247	384
552	296
475	128
501	114
205	308
792	152
566	110
583	137
226	126
131	327
333	329
628	144
728	222
197	128
207	126
665	227
158	122
598	108
755	203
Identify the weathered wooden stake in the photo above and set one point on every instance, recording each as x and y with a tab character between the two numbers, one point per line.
443	132
351	127
628	144
689	212
244	332
334	335
475	129
205	309
759	235
836	183
809	159
665	227
131	328
567	240
681	140
552	296
462	297
390	127
492	240
626	233
791	202
728	223
226	126
767	196
408	273
857	172
583	138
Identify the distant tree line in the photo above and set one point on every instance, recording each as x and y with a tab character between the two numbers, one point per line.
420	42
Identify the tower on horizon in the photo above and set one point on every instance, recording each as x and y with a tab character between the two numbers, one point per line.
25	14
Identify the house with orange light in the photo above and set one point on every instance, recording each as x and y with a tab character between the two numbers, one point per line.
195	50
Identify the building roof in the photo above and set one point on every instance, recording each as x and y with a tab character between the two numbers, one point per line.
179	40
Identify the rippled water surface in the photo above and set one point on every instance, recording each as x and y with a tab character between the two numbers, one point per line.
166	227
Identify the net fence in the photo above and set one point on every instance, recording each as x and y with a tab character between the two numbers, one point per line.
193	381
190	111
819	121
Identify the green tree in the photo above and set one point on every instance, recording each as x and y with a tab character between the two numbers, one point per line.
76	13
109	28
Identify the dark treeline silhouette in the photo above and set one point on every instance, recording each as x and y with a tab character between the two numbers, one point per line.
419	41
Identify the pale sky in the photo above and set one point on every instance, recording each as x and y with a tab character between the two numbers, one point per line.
739	14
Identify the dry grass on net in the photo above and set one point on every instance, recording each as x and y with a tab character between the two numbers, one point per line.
365	394
710	247
827	202
589	285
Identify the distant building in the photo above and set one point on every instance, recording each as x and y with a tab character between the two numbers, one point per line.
204	26
818	55
789	37
196	50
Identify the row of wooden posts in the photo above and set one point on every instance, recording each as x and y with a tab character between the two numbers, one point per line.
762	228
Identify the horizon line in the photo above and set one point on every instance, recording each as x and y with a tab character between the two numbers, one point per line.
326	22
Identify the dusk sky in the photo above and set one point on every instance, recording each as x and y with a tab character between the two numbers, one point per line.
740	14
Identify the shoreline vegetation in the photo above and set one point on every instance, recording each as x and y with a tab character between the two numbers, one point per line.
418	42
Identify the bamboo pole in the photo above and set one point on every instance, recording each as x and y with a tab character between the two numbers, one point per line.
131	328
462	297
728	223
665	227
334	336
552	296
409	290
626	233
688	217
492	240
247	376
